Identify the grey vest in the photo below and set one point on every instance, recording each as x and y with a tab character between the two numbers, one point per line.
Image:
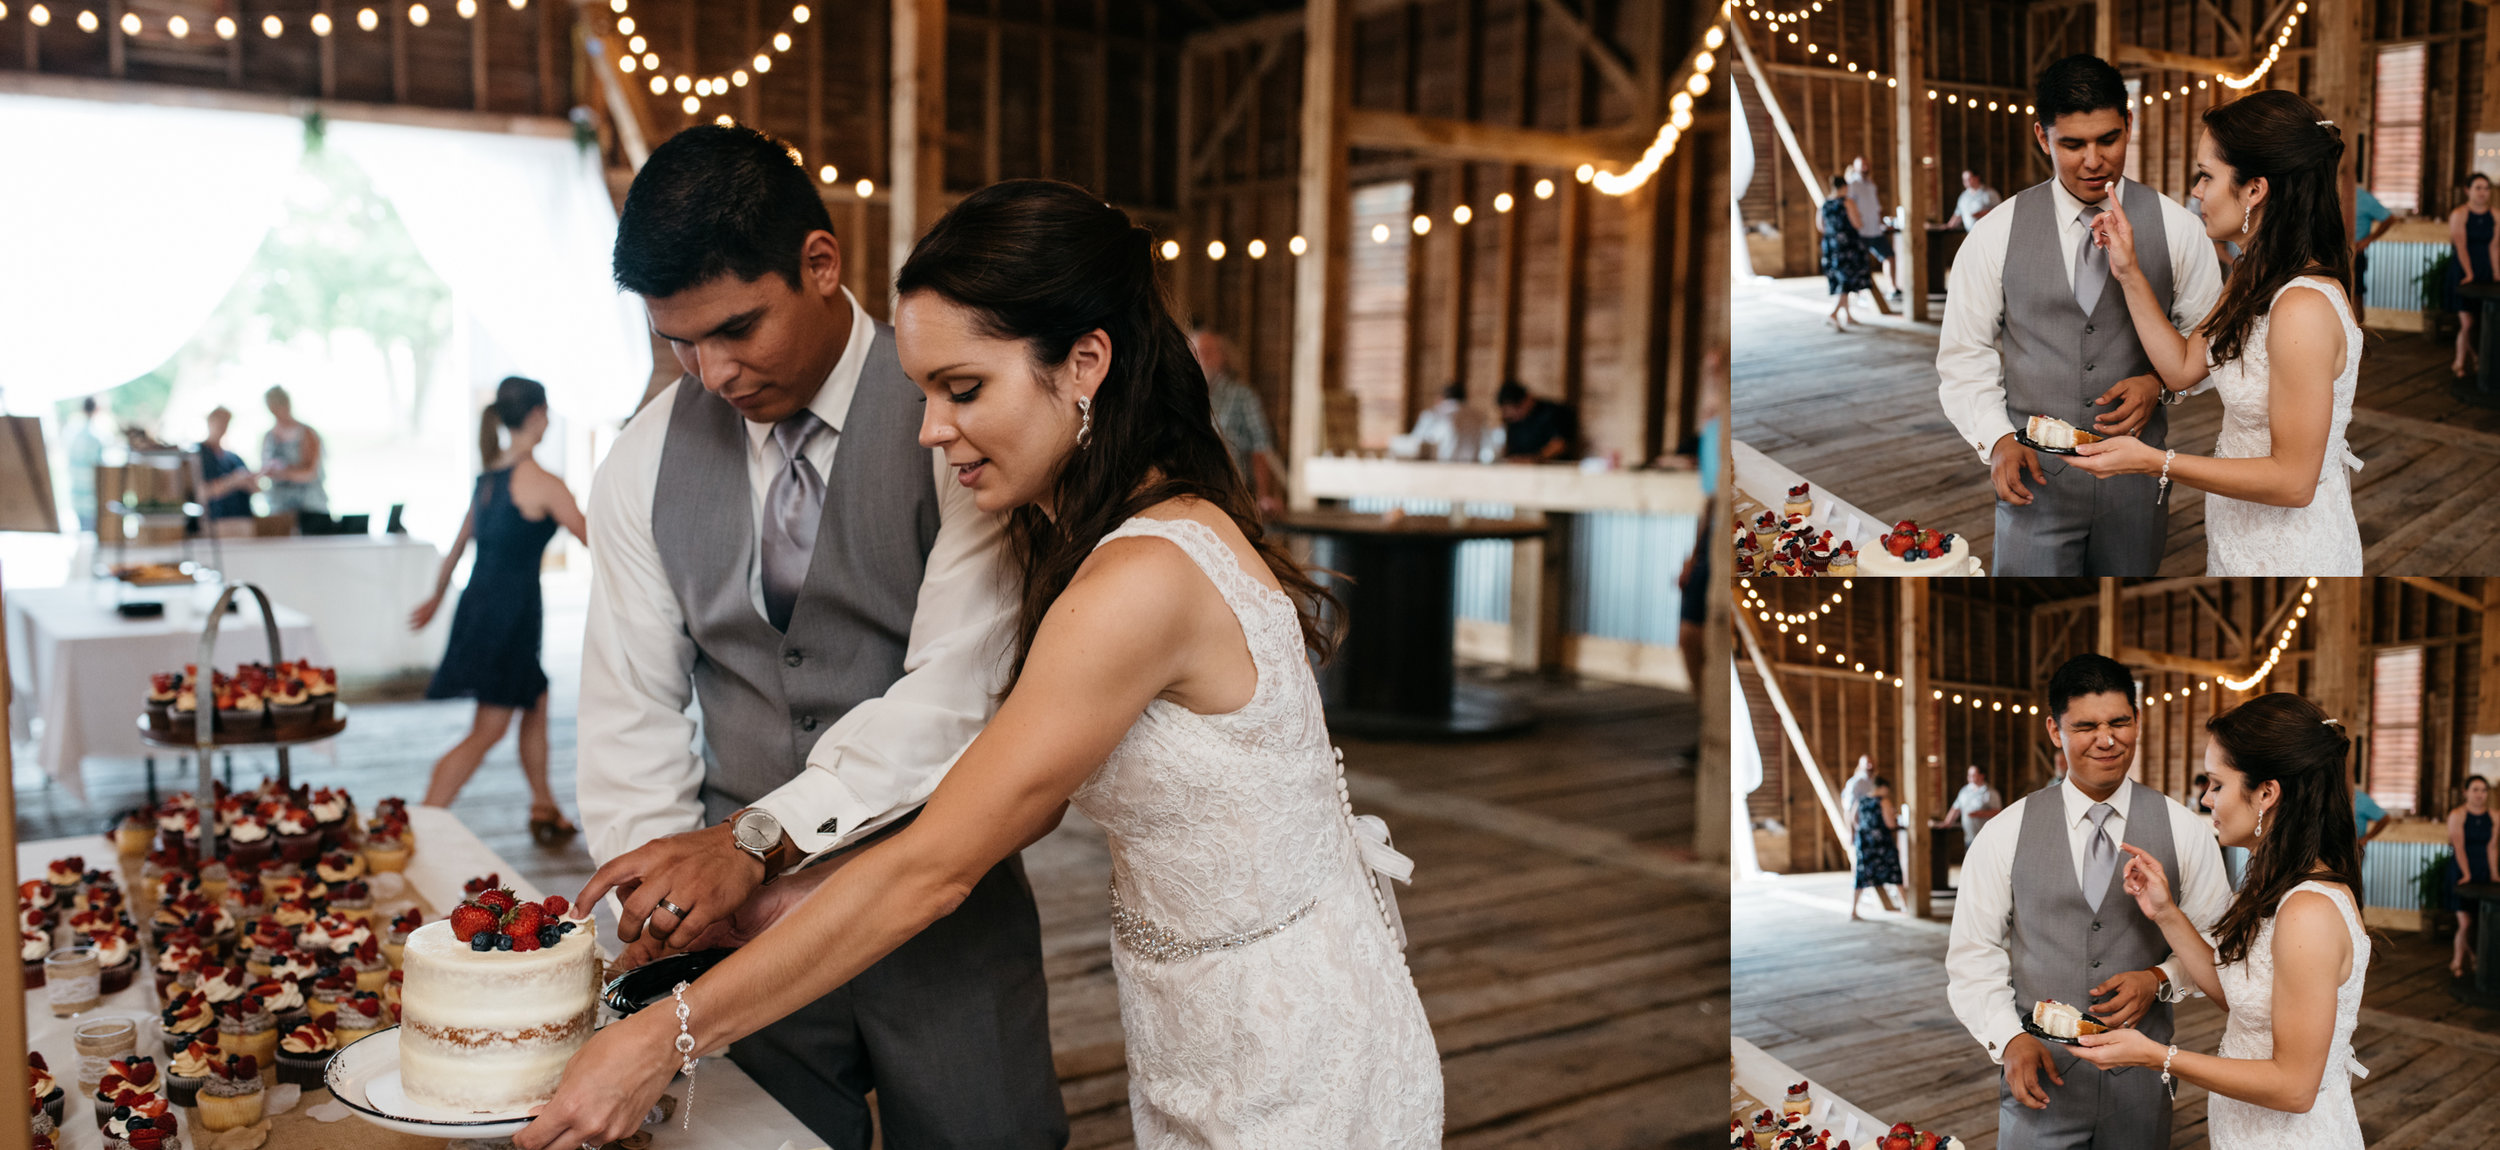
768	695
2062	948
2056	358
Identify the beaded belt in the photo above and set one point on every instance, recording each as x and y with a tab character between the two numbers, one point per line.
1152	940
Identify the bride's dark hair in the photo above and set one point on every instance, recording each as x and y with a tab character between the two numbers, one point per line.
1046	262
2287	739
2276	136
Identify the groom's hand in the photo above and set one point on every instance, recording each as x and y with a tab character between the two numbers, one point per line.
701	872
2130	995
2136	397
2026	1059
2006	465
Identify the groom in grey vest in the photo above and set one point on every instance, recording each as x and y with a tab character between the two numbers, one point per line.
773	544
2034	325
2042	915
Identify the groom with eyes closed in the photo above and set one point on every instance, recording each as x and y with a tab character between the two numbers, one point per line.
2041	916
776	546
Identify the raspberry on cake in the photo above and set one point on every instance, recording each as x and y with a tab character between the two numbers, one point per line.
496	999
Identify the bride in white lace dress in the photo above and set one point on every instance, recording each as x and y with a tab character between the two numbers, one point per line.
2288	959
1161	683
2279	485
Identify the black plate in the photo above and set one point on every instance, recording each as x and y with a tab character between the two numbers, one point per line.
2033	1029
2024	438
644	985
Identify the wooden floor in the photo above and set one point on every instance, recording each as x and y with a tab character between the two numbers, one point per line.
1573	963
1860	1007
1858	413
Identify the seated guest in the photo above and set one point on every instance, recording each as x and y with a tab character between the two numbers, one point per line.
1453	430
1977	200
1535	430
230	482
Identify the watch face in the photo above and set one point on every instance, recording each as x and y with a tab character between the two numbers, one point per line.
755	830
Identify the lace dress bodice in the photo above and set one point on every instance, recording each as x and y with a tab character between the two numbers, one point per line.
1306	1029
2248	985
2323	538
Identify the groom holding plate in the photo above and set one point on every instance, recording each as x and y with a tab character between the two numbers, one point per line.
2041	917
2033	325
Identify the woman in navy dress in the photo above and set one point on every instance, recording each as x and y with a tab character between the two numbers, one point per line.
1844	253
2471	248
492	654
1879	856
2470	842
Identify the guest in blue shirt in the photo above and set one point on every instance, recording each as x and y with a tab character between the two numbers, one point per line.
2370	219
2368	818
230	482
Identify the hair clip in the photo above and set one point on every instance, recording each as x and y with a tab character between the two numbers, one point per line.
2332	722
2326	123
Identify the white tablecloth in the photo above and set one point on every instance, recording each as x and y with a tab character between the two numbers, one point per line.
82	669
1767	480
358	589
733	1114
1768	1079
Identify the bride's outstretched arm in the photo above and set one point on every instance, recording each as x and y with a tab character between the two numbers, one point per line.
2178	359
2312	953
1117	638
2305	352
2149	883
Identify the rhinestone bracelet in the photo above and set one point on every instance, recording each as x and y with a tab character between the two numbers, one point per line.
685	1056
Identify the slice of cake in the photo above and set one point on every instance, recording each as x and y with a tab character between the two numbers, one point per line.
2063	1021
497	999
2050	431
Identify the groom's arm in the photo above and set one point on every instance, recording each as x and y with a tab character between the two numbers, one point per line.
1978	964
1969	371
883	758
2195	273
638	773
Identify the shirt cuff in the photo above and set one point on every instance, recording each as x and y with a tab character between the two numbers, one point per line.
817	812
2181	989
2001	1033
1992	427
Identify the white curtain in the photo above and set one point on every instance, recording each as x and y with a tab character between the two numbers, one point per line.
522	228
121	227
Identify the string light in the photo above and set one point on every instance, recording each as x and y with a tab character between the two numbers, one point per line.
39	15
1257	249
1423	225
467	9
130	24
321	23
1679	119
865	188
1215	249
1297	245
829	173
368	19
2282	39
649	61
1545	189
1793	625
1461	214
1502	202
86	20
177	26
417	15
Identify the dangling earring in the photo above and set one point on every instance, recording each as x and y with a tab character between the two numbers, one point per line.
1085	430
2261	822
2244	217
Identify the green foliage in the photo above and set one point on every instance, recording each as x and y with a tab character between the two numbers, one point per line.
341	259
2428	886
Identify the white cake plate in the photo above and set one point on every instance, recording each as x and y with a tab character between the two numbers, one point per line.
365	1077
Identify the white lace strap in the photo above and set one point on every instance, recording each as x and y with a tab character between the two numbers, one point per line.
1204	548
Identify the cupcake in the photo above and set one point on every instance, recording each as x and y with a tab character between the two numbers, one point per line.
66	876
322	684
162	690
335	814
267	940
190	1071
335	933
338	866
387	845
245	1026
48	1095
304	1055
246	845
32	949
1844	559
217	875
283	881
242	713
133	834
188	1018
136	1074
141	1121
285	999
330	990
85	925
178	833
296	914
223	984
297	966
1800	500
395	944
297	838
233	1096
290	708
367	965
178	952
117	956
353	899
1766	527
36	895
216	927
182	723
359	1015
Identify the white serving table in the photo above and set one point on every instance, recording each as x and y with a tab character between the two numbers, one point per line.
1768	1079
735	1113
83	669
357	589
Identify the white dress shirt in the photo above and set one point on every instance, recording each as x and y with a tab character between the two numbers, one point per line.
1970	372
639	770
1979	964
1455	431
1974	203
1975	797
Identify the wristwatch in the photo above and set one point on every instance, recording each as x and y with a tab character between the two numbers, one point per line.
758	833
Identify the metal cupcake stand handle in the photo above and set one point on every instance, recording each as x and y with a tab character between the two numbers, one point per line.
204	707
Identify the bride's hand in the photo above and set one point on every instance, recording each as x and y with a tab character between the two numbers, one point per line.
608	1086
2117	455
2147	882
2111	230
2119	1048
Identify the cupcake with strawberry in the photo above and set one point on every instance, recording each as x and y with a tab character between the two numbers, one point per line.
387	844
395	944
242	712
48	1095
290	708
190	1071
136	1074
337	866
163	690
32	948
188	1018
245	1026
141	1122
334	812
288	1007
233	1097
359	1016
117	956
353	899
304	1055
66	875
298	841
366	965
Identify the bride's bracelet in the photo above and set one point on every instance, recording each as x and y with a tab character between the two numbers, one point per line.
2162	490
2166	1080
685	1054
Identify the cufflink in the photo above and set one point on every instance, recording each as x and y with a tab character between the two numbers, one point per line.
827	827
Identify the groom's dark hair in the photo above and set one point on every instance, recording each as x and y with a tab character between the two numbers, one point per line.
2082	82
716	200
2088	675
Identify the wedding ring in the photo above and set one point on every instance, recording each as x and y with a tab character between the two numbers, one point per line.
674	909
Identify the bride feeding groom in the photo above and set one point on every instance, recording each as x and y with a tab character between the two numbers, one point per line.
2087	304
2041	917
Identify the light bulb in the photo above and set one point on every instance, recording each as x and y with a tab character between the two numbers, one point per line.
763	63
1380	233
659	84
1502	202
1461	214
739	77
625	25
1422	225
87	21
417	15
1584	172
321	23
626	64
130	24
1545	189
651	61
467	9
225	28
368	19
616	5
1171	249
1257	249
39	15
692	104
828	173
781	41
272	27
518	5
865	188
1215	249
177	25
1297	245
799	13
684	83
637	45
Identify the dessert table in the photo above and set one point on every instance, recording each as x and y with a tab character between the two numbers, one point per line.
1767	1078
735	1113
357	590
83	668
1765	481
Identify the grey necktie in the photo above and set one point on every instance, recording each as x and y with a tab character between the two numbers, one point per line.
2091	263
2100	855
793	505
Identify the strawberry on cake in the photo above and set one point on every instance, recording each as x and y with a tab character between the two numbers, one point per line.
1910	550
497	998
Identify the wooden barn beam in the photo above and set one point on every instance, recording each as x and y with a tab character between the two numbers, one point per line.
1444	138
1327	216
1796	734
2342	73
1610	63
2105	625
1244	99
1913	148
2487	685
2105	29
1909	636
1779	117
626	109
2434	587
2143	57
917	165
2183	664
